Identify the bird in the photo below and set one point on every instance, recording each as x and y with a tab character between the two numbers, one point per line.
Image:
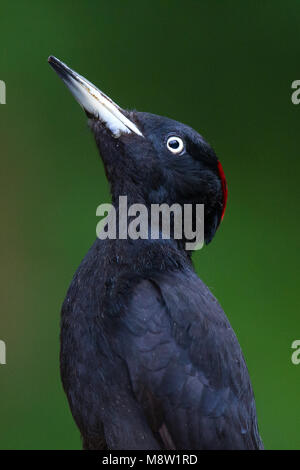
148	358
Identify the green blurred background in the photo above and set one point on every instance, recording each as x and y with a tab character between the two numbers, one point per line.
223	67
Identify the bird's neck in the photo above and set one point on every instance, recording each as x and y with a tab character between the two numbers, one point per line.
146	226
144	257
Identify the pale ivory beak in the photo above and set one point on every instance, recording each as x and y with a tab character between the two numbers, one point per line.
94	101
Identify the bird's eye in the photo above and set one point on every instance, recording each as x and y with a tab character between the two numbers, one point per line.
175	144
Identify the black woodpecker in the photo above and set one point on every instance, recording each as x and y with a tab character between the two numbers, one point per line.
148	357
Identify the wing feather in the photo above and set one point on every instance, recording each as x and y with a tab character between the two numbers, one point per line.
182	354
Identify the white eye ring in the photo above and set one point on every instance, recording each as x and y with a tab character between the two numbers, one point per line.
175	144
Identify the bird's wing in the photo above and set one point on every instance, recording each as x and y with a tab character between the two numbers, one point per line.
186	366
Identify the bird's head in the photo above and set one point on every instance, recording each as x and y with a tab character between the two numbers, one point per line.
150	158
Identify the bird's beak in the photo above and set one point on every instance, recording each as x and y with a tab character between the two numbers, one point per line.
94	101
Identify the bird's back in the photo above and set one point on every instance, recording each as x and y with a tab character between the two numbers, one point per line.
160	366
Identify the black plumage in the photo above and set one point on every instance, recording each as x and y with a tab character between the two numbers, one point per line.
148	357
